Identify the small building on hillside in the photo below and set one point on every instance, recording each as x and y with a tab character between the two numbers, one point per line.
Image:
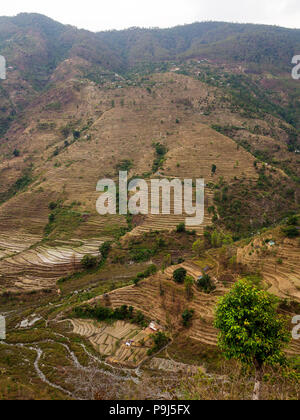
154	326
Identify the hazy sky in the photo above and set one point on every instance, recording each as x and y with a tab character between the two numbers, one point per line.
118	14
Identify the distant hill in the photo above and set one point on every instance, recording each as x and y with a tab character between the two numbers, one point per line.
38	44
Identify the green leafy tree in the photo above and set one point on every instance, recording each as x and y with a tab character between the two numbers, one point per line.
187	317
179	275
199	247
216	239
89	261
251	330
206	284
188	285
160	340
167	261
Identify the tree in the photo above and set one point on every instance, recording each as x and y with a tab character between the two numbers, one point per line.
76	134
290	231
167	261
205	284
16	153
292	220
160	340
251	330
187	316
89	261
198	247
179	275
214	169
188	284
104	249
53	205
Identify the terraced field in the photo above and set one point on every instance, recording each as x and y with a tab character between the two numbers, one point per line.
279	264
164	301
115	124
121	343
42	266
162	222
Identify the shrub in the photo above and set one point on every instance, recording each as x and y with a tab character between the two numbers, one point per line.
104	249
179	275
187	317
65	131
142	254
290	231
52	205
205	284
124	165
108	314
76	134
16	153
152	269
188	284
160	341
51	218
89	261
198	247
180	228
292	221
160	149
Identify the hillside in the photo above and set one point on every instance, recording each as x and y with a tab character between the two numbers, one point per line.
210	100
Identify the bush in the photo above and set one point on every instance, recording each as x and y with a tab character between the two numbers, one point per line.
180	228
187	316
160	341
292	221
188	283
142	254
16	153
65	131
102	313
179	275
51	218
160	149
104	249
205	284
89	261
124	165
52	205
152	269
76	134
290	231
